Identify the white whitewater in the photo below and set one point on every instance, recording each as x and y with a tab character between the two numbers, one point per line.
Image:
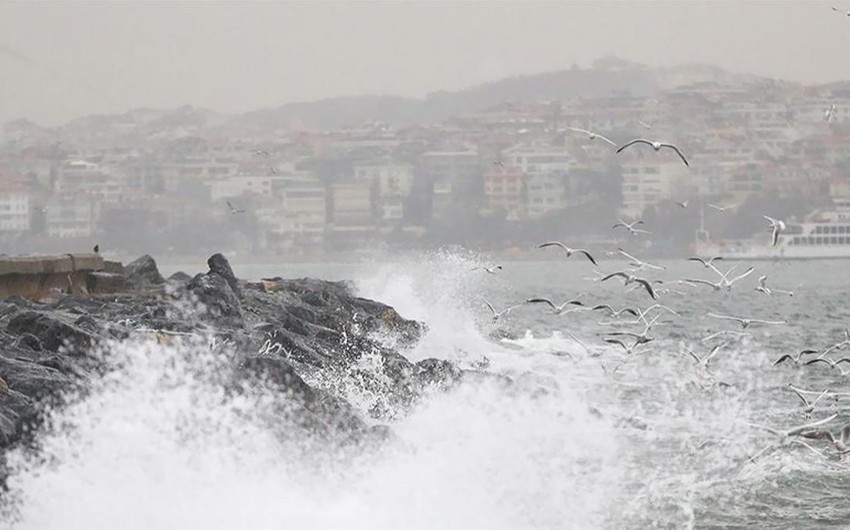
157	444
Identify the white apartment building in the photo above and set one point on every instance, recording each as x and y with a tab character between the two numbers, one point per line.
14	211
649	182
70	216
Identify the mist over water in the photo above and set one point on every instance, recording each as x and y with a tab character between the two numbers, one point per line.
583	437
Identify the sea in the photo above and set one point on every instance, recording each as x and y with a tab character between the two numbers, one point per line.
583	435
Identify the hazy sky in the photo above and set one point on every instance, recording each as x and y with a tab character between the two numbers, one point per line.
62	60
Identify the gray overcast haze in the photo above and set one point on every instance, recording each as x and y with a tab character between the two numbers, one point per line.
63	60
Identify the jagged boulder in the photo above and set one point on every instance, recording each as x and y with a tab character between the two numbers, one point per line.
221	306
143	272
179	277
218	264
50	331
437	372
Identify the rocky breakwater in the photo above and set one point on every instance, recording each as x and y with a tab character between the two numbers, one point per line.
305	342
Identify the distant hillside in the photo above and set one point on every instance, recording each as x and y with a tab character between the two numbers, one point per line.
608	76
437	107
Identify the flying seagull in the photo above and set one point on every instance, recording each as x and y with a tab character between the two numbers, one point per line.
498	314
790	432
809	406
657	146
795	360
839	443
638	263
723	282
719	208
489	270
631	226
762	287
704	361
567	250
778	227
683	204
614	313
557	309
746	322
642	337
629	279
234	210
626	348
707	263
645	125
592	135
830	362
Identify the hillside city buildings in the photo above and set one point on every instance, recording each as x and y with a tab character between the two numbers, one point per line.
169	178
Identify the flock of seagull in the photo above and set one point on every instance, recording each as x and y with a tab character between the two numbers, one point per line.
635	276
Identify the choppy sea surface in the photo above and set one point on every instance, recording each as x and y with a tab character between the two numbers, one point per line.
587	436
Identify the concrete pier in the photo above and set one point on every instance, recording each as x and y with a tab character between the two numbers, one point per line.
39	277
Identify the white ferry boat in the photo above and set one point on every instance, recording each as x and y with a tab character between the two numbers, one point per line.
823	234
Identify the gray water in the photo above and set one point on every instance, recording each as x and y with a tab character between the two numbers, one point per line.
585	437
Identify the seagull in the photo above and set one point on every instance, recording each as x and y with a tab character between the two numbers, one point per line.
778	227
631	226
567	250
234	210
719	208
557	309
499	163
261	152
640	338
592	135
830	362
614	313
704	361
96	249
746	322
790	432
655	145
795	360
839	443
829	114
683	204
626	348
498	314
705	263
638	263
799	429
762	288
725	332
633	279
642	315
723	282
489	270
645	125
809	406
272	170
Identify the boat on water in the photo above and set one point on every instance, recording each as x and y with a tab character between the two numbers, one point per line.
823	234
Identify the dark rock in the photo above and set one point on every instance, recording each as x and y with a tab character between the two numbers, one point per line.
179	277
28	340
113	267
52	333
105	282
143	272
218	264
437	372
219	300
308	330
